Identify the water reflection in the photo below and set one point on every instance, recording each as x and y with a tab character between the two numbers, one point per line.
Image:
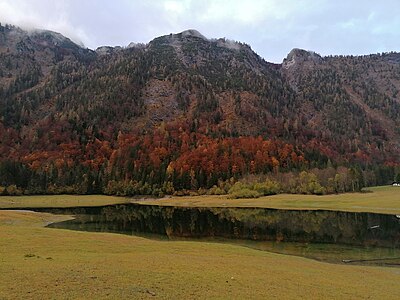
333	253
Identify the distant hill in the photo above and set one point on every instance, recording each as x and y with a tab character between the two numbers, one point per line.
187	111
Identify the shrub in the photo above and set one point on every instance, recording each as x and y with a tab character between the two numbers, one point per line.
202	191
316	188
168	188
237	187
12	190
216	191
157	192
244	193
182	193
309	184
267	188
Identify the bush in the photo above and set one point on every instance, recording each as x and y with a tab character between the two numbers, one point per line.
316	189
12	190
182	193
238	186
157	192
267	188
225	185
256	190
56	190
168	188
216	191
202	191
309	184
244	193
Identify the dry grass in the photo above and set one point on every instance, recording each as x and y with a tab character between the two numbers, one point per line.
384	199
59	201
43	263
29	218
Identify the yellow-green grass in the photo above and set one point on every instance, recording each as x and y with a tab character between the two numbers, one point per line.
384	199
29	218
44	263
59	201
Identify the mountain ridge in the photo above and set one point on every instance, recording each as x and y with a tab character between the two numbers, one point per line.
196	33
184	91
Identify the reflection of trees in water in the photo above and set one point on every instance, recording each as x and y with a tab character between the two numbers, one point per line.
365	229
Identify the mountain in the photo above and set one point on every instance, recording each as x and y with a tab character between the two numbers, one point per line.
187	111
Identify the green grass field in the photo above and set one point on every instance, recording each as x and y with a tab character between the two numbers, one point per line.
44	263
384	199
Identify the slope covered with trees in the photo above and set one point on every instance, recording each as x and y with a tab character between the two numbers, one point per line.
187	113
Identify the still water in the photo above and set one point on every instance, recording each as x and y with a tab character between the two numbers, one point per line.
327	252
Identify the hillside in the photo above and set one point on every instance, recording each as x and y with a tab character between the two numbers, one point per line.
184	111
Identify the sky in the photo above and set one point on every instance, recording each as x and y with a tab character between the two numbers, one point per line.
271	27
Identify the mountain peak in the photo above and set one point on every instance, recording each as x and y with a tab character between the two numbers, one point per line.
46	38
192	33
297	55
54	38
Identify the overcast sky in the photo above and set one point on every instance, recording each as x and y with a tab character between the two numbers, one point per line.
271	27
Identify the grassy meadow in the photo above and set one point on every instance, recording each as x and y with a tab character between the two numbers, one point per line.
383	199
59	201
44	263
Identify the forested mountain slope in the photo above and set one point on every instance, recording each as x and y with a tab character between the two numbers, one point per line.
184	111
